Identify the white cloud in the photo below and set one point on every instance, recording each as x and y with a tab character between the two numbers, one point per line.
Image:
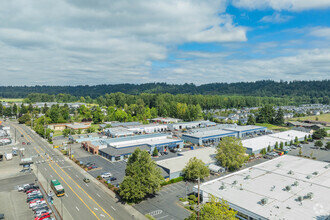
321	32
102	41
305	65
290	5
276	18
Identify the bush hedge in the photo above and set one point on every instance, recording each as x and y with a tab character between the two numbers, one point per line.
175	180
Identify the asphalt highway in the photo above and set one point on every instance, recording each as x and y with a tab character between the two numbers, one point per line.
82	200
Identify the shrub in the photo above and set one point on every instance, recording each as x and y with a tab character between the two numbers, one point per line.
192	197
99	177
149	217
191	202
191	207
175	180
110	186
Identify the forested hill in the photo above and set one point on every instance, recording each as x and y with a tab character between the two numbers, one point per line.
258	88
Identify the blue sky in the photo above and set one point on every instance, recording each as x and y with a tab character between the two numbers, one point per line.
71	42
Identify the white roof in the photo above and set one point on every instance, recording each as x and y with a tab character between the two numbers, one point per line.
289	135
261	142
255	183
208	133
176	164
149	141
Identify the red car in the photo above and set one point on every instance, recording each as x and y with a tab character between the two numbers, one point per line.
23	143
31	190
36	200
42	216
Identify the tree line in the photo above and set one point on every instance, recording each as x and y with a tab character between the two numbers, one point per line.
295	91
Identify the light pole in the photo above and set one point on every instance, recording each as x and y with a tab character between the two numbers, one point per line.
198	208
62	209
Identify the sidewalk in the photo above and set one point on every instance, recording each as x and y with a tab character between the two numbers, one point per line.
56	200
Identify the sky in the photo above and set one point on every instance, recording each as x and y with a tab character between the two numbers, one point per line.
84	42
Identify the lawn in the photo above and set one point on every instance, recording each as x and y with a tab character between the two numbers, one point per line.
11	100
322	117
273	127
57	133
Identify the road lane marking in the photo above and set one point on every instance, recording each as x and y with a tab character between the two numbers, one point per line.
98	195
96	208
162	217
113	208
156	212
45	168
51	176
102	215
77	208
66	195
59	175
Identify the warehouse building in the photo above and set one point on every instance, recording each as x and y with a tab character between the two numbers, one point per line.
147	129
287	187
190	125
173	166
121	148
216	133
166	120
255	145
207	136
118	132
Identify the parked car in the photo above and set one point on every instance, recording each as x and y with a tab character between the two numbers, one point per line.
43	216
28	143
22	135
106	175
86	180
2	216
40	207
21	188
37	203
23	143
92	167
35	200
165	152
30	187
41	212
34	197
31	190
113	178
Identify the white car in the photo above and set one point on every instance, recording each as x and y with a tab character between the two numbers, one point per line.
37	203
21	188
106	175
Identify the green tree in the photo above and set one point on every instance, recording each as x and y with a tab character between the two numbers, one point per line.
266	114
281	145
320	133
142	177
155	152
269	148
327	146
296	141
251	120
90	130
318	143
276	145
79	131
300	152
98	115
263	151
214	209
195	168
231	153
24	118
279	117
66	132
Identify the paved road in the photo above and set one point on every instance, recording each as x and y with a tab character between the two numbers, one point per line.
83	201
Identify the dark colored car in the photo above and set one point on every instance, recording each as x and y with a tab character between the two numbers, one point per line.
28	143
113	178
165	152
22	135
34	197
2	216
30	187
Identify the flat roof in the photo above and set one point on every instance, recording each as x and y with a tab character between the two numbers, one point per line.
120	151
176	164
208	133
269	180
120	131
147	141
261	142
244	128
290	135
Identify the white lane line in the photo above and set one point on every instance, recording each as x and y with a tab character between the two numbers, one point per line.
162	217
98	195
66	195
45	168
77	208
96	208
51	176
77	176
69	169
113	208
102	215
86	184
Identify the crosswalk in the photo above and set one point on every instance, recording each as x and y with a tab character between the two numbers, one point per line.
48	160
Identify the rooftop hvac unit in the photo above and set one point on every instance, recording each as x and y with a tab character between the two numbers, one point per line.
222	187
288	188
272	188
264	201
309	176
296	183
247	177
309	195
300	198
235	182
315	173
291	172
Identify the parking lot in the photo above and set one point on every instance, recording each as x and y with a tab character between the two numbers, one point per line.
117	169
307	149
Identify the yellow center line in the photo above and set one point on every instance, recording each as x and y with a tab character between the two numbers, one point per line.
31	140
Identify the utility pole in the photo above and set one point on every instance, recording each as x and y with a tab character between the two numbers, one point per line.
62	208
15	135
198	207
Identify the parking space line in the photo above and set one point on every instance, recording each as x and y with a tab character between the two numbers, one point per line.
162	217
113	208
98	195
77	208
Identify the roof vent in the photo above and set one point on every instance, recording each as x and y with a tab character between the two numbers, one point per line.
300	198
264	201
309	176
309	195
272	188
291	172
222	187
296	183
315	173
235	182
247	177
278	165
288	188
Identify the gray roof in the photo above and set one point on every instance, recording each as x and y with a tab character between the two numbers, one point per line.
120	151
